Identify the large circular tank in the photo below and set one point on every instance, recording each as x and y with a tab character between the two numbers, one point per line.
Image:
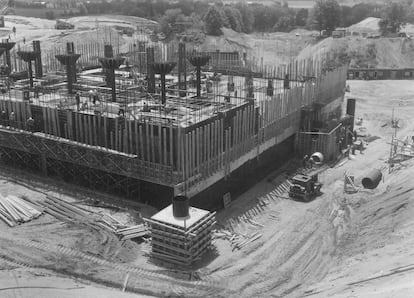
317	158
372	180
180	206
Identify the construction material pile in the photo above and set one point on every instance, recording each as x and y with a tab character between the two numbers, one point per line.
132	232
238	241
14	211
69	212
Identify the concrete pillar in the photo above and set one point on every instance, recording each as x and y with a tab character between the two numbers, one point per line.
38	60
182	71
150	70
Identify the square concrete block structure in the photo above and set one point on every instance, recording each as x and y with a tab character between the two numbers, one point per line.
180	240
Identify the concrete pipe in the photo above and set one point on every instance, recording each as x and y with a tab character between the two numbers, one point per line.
372	180
180	205
317	158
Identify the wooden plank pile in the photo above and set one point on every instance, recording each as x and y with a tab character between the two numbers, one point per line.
132	232
69	212
14	211
237	241
181	245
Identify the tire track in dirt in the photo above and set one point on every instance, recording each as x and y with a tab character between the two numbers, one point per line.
178	287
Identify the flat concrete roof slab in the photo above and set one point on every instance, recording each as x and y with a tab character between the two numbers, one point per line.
166	216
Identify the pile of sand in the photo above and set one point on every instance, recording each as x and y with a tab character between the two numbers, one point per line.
370	24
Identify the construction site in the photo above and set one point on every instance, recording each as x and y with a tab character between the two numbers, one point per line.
164	170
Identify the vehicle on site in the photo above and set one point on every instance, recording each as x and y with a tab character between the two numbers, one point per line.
304	187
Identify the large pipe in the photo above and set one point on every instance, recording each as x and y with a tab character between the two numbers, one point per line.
350	106
372	179
180	206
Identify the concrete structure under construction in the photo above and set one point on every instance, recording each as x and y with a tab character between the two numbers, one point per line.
123	129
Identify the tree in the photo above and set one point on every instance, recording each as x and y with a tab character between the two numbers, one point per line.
301	17
173	21
213	22
394	17
325	15
234	18
285	24
247	17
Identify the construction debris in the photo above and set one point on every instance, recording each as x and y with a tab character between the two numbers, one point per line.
349	184
14	211
68	212
132	232
237	241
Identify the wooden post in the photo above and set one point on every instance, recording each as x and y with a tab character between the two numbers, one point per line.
141	144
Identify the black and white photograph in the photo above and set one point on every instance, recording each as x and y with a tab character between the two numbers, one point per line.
206	148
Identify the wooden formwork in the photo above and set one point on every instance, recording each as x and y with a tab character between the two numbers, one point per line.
326	143
180	241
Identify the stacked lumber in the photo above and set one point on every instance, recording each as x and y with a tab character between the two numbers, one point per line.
14	211
237	241
132	232
69	212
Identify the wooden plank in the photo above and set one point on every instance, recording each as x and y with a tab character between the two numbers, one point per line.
186	157
45	128
125	146
69	124
116	132
160	144
141	144
208	140
179	149
81	128
105	123
198	146
130	138
65	127
76	126
57	122
147	142
89	129
112	139
95	131
171	147
164	147
221	147
193	152
152	143
135	135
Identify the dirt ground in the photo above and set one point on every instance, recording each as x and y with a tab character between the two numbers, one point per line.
327	247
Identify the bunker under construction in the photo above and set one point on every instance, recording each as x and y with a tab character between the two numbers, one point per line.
160	121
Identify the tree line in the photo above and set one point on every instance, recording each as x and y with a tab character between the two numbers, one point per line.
176	17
